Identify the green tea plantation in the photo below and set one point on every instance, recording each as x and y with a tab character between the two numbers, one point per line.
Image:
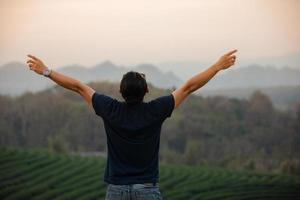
39	174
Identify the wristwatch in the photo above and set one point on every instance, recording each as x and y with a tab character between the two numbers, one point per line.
47	72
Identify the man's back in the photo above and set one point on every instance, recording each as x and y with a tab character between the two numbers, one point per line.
133	137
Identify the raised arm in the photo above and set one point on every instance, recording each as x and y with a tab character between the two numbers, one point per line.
202	78
67	82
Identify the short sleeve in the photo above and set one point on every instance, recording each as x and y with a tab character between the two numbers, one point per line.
163	106
102	104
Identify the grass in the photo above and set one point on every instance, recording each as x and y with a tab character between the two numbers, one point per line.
41	175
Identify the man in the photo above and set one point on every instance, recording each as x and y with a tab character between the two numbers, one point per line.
133	126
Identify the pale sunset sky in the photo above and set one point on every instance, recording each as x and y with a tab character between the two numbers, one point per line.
87	32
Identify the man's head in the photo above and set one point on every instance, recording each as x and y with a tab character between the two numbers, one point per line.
133	87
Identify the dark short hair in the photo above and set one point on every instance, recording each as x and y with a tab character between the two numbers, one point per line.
133	87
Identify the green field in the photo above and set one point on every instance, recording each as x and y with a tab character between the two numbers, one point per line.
39	174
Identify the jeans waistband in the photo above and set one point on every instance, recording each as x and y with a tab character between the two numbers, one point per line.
134	186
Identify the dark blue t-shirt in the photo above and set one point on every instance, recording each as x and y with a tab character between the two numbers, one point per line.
133	137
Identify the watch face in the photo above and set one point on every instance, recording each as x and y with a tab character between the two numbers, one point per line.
46	72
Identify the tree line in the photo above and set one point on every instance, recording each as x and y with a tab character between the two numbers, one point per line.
227	132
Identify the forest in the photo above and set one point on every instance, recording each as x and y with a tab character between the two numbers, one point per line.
216	131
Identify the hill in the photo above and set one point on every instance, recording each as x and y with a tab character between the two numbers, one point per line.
15	78
238	77
39	174
255	76
280	84
185	69
240	82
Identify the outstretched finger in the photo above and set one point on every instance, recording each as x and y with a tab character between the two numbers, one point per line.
33	57
231	52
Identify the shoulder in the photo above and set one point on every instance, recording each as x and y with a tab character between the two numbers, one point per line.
103	104
163	105
166	99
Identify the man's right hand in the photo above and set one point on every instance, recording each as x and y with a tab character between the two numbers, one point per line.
226	61
36	64
202	78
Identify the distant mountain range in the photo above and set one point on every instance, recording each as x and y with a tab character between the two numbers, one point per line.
281	84
255	76
185	69
15	78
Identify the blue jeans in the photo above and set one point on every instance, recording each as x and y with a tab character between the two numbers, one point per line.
133	192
